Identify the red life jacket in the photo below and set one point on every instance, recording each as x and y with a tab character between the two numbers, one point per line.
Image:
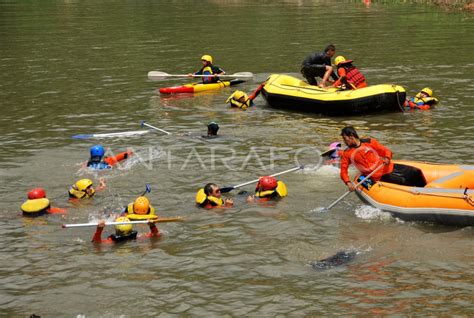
354	76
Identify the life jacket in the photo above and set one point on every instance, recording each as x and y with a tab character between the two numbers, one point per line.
207	201
122	238
354	76
36	207
421	102
235	103
207	70
133	216
98	165
279	192
78	194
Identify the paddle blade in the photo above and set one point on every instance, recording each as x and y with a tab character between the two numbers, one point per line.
85	136
242	74
228	189
157	75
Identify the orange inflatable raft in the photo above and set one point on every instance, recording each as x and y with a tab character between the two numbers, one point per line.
447	198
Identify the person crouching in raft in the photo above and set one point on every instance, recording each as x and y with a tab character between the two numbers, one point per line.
123	232
423	100
140	209
367	154
83	189
210	197
208	69
349	76
97	161
37	204
268	188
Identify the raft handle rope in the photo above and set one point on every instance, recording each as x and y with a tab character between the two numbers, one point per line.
465	196
398	100
468	198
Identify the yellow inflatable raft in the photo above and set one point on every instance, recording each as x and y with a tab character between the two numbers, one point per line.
447	198
288	92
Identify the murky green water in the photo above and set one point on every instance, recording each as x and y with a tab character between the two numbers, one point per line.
69	67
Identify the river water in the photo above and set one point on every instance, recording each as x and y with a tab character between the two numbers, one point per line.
72	67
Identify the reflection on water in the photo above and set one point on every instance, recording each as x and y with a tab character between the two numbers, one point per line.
72	68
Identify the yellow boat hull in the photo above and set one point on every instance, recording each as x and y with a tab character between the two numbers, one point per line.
288	92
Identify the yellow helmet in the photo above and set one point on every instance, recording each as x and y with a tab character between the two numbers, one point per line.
207	58
428	91
338	60
123	229
141	205
83	184
238	95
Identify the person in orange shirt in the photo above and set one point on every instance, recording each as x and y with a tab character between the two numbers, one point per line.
123	232
349	75
367	154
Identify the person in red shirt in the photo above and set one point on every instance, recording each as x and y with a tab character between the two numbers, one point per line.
123	232
367	154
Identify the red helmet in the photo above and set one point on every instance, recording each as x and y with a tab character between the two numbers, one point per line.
267	183
37	193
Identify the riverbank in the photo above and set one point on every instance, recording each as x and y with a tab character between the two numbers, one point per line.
467	5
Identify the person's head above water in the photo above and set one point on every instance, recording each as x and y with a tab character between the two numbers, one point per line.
97	151
212	129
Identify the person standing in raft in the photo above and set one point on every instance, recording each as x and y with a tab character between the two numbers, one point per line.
83	189
319	65
367	154
37	204
123	232
212	129
140	209
349	75
208	69
97	161
268	188
210	197
423	100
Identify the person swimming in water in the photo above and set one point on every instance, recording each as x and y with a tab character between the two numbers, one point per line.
124	232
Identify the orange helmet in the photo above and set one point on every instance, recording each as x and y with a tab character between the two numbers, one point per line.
267	183
141	205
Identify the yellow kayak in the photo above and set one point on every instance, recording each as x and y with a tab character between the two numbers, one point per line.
199	87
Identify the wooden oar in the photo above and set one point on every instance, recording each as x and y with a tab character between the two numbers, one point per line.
159	220
157	75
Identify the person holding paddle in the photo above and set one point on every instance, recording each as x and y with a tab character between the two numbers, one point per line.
211	197
208	69
123	232
368	155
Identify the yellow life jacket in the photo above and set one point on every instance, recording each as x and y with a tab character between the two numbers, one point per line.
235	103
425	100
202	199
280	191
39	206
133	216
78	194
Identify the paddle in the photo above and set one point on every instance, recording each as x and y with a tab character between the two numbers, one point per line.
358	184
147	190
157	75
228	189
109	135
153	127
159	220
